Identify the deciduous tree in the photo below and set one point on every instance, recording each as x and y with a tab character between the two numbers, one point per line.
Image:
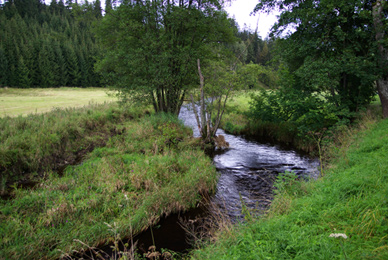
151	48
331	50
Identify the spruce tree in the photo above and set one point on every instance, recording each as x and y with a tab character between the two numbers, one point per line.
23	74
4	68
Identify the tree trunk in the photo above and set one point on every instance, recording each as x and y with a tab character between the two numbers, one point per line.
382	83
202	100
382	88
195	113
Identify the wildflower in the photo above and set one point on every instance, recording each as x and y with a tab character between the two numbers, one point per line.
338	235
126	197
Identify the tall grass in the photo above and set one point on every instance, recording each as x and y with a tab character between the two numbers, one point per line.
342	215
148	171
39	142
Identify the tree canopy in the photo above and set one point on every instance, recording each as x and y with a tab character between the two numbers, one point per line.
151	48
331	50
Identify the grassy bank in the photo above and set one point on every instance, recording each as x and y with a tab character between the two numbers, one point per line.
342	215
36	143
15	102
149	170
236	121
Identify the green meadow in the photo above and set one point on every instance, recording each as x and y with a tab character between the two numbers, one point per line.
14	102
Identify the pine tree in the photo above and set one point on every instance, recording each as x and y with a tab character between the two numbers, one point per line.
4	69
97	9
61	75
108	6
71	63
23	74
46	64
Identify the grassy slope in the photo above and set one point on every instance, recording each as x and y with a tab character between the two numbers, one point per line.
140	175
352	198
14	102
30	145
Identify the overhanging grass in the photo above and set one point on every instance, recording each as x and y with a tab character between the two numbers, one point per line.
41	142
15	102
351	199
148	171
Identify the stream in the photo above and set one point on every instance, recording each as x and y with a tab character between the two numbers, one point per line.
247	172
248	168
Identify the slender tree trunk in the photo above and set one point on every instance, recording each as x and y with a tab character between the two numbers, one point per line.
195	113
382	83
382	87
202	100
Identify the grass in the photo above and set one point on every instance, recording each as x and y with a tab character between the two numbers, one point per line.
39	142
351	199
15	102
150	170
234	121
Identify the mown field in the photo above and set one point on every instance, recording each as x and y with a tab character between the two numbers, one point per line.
14	102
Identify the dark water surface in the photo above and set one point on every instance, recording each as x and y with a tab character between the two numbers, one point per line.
248	168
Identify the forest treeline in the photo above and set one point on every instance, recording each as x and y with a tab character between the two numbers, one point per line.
48	45
54	45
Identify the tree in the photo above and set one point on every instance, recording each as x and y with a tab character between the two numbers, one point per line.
4	70
332	51
380	25
47	66
97	9
108	6
216	85
151	48
23	74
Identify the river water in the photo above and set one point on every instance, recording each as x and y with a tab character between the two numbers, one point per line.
248	168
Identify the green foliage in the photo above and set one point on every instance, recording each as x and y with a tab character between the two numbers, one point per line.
151	57
299	108
287	182
330	59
